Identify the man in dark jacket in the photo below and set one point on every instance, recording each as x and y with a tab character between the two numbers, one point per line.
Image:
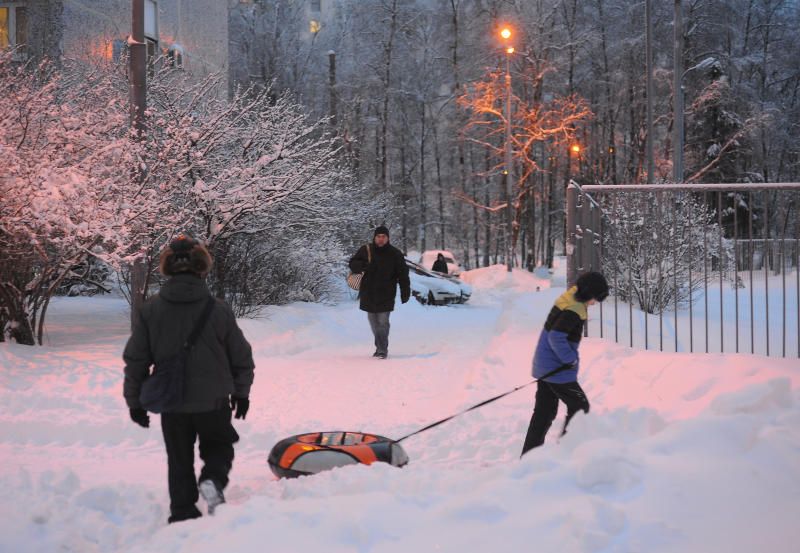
440	265
219	373
384	267
556	361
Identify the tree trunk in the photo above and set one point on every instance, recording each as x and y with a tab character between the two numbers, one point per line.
387	80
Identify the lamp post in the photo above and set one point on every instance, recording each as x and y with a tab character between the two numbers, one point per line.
569	223
679	75
508	173
677	139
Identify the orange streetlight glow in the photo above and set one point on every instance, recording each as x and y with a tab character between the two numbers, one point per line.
510	50
575	148
505	33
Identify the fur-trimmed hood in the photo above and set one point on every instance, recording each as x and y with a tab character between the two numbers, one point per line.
185	256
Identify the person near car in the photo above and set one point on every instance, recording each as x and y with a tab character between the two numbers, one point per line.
556	360
218	376
384	268
440	265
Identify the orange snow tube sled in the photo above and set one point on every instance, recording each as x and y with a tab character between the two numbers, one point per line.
319	451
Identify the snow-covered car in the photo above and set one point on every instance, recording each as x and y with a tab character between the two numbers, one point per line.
429	256
432	288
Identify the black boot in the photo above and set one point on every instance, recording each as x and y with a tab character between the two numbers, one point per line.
187	514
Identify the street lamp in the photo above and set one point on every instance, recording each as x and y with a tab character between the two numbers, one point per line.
677	165
505	34
574	152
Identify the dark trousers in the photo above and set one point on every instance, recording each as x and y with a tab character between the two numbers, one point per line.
216	436
379	323
546	408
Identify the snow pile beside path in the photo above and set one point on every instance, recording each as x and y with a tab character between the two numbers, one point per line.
497	279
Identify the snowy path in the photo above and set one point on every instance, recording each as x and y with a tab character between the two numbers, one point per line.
679	453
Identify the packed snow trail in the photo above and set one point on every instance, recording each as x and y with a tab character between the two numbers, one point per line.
679	452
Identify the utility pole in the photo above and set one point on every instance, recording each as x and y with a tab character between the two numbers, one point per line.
137	51
649	64
677	126
332	86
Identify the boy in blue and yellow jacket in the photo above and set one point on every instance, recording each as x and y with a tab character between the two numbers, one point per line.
555	363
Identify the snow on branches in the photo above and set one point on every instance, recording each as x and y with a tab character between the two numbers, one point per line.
63	143
252	175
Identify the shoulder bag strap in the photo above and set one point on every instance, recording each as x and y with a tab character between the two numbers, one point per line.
369	254
201	322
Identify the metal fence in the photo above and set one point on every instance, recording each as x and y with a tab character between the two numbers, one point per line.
697	268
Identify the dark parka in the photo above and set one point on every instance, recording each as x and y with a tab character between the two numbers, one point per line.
219	365
381	277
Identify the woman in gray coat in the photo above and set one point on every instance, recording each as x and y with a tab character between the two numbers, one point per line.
219	373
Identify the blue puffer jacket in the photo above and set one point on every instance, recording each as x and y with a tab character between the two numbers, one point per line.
560	338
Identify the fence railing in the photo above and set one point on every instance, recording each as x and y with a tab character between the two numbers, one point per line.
692	267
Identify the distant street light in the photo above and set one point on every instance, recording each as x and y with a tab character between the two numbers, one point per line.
506	34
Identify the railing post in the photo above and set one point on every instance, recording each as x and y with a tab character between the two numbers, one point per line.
597	238
572	200
587	234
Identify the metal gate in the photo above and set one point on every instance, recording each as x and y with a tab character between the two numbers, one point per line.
692	267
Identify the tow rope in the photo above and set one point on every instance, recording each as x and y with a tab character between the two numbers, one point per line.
484	402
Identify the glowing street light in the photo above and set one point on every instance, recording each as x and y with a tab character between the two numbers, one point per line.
576	148
505	33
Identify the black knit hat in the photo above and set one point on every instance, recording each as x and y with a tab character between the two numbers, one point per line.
591	286
381	230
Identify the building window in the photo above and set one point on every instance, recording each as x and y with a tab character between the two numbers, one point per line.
152	56
316	5
151	34
119	50
314	26
13	25
151	20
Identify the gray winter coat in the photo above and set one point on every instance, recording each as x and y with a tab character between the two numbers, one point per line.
219	365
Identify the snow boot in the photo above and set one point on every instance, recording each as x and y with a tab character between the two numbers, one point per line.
212	494
184	514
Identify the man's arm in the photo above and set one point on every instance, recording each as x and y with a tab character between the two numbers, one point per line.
240	357
566	323
405	283
360	261
138	360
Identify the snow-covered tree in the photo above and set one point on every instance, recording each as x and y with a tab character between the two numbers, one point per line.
658	249
537	130
240	173
65	152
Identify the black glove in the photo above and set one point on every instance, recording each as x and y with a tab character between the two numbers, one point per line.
404	298
140	417
240	405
